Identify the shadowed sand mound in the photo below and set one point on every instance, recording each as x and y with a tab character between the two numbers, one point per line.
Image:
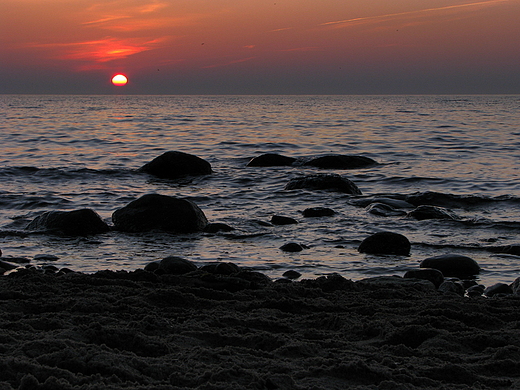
119	330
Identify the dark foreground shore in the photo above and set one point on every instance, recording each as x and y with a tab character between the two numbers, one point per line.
136	330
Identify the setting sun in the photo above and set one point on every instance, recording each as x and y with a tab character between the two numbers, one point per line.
119	79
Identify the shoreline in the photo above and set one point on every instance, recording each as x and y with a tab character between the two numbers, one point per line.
141	330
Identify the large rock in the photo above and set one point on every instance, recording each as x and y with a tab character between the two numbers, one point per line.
71	223
452	265
271	160
331	182
385	243
172	165
160	212
338	161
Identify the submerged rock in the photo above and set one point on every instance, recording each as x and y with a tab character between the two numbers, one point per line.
432	212
160	212
332	182
452	265
385	243
338	161
291	247
271	160
280	220
313	212
71	223
384	210
172	165
216	227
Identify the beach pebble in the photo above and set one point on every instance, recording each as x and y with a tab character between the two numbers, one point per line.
433	275
281	220
312	212
338	161
270	160
160	212
291	247
498	288
452	286
221	268
385	243
332	182
475	291
176	265
71	223
431	212
452	265
173	164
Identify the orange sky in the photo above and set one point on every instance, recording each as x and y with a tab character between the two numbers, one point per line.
253	46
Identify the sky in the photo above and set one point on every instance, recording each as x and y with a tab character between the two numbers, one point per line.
260	46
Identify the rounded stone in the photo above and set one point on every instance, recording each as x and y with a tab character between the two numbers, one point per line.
452	265
433	275
176	265
331	182
280	220
313	212
271	160
338	161
173	164
160	212
385	243
291	247
72	223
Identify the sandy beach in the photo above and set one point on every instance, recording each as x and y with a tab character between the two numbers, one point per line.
138	330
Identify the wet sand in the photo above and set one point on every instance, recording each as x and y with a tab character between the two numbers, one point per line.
136	330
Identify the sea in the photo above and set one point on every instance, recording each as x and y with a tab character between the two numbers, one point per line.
71	152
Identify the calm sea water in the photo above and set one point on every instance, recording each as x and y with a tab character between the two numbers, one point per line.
72	152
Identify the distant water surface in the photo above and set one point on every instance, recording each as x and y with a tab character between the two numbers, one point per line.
72	152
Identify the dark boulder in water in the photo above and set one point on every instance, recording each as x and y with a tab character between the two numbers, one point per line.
172	165
216	227
271	160
291	247
312	212
332	182
432	212
280	220
506	249
385	243
444	200
452	265
71	223
338	161
160	212
433	275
